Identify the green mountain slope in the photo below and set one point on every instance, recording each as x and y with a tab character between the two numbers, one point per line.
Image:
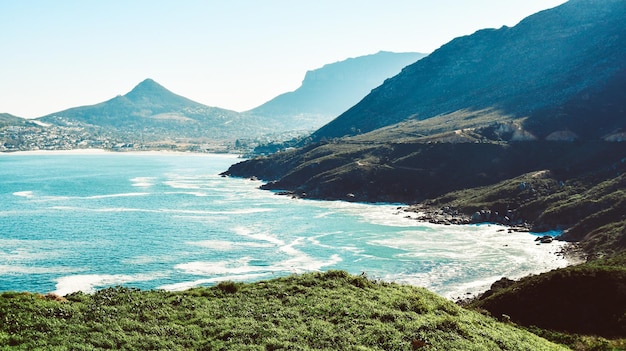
316	311
7	120
535	71
151	110
328	91
588	299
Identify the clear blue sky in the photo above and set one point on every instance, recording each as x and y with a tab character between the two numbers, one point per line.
235	54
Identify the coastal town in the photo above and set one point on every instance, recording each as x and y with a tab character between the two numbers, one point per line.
35	137
32	135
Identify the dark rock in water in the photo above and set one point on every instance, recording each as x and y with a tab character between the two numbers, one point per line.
285	193
546	239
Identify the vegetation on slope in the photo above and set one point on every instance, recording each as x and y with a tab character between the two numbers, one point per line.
7	120
545	70
590	206
585	299
321	311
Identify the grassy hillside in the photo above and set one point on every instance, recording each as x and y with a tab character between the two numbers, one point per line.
588	299
10	120
316	311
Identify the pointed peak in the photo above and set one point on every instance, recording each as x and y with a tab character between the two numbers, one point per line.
148	87
148	83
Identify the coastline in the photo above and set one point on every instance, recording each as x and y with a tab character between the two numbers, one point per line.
87	152
430	216
477	287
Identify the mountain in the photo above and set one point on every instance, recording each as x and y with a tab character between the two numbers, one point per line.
547	96
550	70
154	111
328	91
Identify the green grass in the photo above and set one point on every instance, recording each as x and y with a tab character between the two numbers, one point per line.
316	311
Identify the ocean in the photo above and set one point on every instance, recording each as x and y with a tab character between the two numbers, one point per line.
81	222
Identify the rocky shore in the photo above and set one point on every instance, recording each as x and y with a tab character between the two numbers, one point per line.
449	215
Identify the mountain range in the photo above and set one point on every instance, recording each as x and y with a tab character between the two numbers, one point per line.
150	113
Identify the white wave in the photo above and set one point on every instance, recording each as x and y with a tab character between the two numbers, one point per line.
322	215
88	283
223	245
47	198
143	182
146	259
209	220
26	254
21	269
181	185
472	260
27	194
106	196
240	266
103	209
188	285
305	263
260	236
298	262
221	212
192	193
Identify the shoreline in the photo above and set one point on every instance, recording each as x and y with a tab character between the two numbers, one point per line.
88	152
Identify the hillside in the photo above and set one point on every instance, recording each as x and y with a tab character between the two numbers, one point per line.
595	303
330	90
545	72
7	120
315	311
150	111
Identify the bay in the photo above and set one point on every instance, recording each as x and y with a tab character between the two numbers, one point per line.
75	221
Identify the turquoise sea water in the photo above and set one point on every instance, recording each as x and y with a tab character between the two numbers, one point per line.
72	222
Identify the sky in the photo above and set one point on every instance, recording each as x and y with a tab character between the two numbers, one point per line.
233	54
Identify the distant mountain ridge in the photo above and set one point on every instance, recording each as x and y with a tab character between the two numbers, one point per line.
151	111
330	90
